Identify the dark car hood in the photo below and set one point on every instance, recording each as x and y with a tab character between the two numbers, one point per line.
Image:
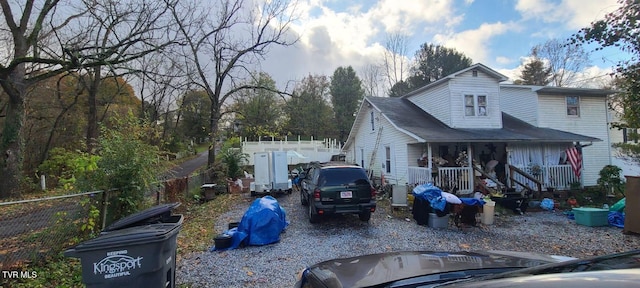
375	269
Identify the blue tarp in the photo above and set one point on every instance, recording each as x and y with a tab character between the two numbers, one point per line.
472	201
261	224
432	194
547	204
616	219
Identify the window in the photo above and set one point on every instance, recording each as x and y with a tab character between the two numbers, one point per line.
387	152
342	176
629	135
373	127
475	105
482	105
573	106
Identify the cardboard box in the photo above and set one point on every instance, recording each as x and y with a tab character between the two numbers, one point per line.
632	205
591	216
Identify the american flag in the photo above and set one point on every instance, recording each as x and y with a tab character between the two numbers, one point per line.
575	159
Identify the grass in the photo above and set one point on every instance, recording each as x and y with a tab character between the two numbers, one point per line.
197	234
198	226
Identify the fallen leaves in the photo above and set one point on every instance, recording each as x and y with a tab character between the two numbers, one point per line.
249	272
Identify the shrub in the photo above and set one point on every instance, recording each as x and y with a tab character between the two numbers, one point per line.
610	180
126	164
232	157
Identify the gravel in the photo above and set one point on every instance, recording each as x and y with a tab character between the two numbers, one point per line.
303	244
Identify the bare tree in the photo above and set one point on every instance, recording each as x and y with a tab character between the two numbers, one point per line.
46	38
225	41
110	24
160	79
564	60
371	76
395	62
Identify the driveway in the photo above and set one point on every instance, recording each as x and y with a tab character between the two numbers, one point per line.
302	243
185	169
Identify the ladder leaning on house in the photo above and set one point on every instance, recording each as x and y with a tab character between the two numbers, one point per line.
374	152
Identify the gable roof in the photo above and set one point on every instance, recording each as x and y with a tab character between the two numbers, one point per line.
422	126
477	66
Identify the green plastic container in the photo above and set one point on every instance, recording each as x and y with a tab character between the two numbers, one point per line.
591	216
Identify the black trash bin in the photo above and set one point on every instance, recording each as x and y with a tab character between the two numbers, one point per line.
154	215
137	251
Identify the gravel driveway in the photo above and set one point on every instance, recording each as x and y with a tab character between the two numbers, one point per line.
302	243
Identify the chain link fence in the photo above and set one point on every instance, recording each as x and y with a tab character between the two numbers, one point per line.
32	230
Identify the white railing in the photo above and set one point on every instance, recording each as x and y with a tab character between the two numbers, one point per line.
447	178
314	150
459	178
418	175
557	176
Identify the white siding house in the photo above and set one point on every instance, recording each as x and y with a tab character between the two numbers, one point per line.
525	129
629	167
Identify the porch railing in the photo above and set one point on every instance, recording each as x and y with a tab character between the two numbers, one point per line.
454	179
556	176
418	175
447	178
559	177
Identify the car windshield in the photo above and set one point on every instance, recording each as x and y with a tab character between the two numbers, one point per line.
343	176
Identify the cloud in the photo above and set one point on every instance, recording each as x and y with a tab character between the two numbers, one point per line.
406	18
475	43
572	14
594	77
503	60
334	34
582	13
590	77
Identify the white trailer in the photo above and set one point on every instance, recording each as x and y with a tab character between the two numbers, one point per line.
261	173
271	173
280	172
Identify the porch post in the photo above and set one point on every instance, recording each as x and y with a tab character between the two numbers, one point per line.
471	173
430	162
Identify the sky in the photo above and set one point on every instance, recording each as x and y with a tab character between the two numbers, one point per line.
496	33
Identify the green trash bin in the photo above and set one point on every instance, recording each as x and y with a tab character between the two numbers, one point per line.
140	251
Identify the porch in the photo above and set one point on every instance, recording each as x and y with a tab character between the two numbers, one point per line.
461	179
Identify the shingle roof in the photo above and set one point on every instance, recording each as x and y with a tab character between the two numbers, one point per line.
408	117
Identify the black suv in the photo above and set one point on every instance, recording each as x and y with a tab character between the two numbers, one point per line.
331	188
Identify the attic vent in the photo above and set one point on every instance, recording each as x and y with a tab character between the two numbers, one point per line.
474	73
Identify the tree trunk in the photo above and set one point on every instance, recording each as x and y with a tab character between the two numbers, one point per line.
92	117
213	135
11	147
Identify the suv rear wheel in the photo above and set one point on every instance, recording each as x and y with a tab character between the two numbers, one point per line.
365	215
313	217
303	200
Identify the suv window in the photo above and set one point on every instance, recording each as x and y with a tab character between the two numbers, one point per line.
342	176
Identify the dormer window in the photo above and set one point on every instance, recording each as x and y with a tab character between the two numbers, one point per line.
573	106
475	105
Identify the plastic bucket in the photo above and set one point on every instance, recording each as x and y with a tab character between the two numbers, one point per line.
488	212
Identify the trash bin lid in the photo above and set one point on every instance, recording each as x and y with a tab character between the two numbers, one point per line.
153	214
127	237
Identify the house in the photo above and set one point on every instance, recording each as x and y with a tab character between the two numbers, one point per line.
516	135
624	135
